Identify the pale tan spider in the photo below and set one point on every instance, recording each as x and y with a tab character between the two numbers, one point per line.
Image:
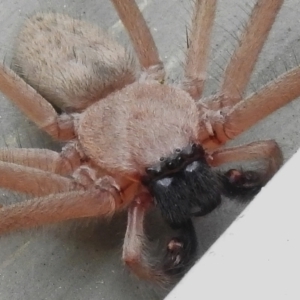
119	120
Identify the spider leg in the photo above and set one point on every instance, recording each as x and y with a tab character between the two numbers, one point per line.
180	253
262	103
237	183
35	106
57	208
198	47
266	150
141	38
63	163
241	65
33	181
133	248
228	125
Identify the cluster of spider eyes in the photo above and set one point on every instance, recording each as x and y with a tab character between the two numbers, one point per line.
176	162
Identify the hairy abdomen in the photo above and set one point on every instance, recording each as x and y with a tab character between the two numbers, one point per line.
70	62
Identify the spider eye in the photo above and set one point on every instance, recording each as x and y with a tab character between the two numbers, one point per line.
171	165
175	163
177	150
162	159
179	159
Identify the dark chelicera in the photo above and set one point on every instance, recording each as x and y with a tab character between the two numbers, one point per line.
184	185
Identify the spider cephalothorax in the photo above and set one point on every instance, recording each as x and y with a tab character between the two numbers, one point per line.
118	119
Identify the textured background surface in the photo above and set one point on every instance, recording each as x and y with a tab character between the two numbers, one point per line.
82	261
272	248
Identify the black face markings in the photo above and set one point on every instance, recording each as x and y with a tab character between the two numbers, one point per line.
184	185
174	163
195	190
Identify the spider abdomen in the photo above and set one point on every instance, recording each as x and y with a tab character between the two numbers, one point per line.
70	62
133	128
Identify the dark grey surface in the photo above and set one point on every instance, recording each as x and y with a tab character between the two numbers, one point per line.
83	261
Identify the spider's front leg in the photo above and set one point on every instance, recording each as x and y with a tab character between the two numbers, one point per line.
180	250
227	114
257	106
237	183
227	124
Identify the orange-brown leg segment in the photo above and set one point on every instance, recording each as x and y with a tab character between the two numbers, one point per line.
180	250
241	184
238	71
267	151
35	106
33	181
56	208
227	125
262	103
133	248
199	44
63	163
141	37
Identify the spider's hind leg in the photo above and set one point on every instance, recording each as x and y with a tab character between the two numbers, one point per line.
33	181
34	106
63	163
55	208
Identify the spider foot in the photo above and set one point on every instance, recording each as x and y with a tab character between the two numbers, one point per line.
181	251
244	184
175	256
